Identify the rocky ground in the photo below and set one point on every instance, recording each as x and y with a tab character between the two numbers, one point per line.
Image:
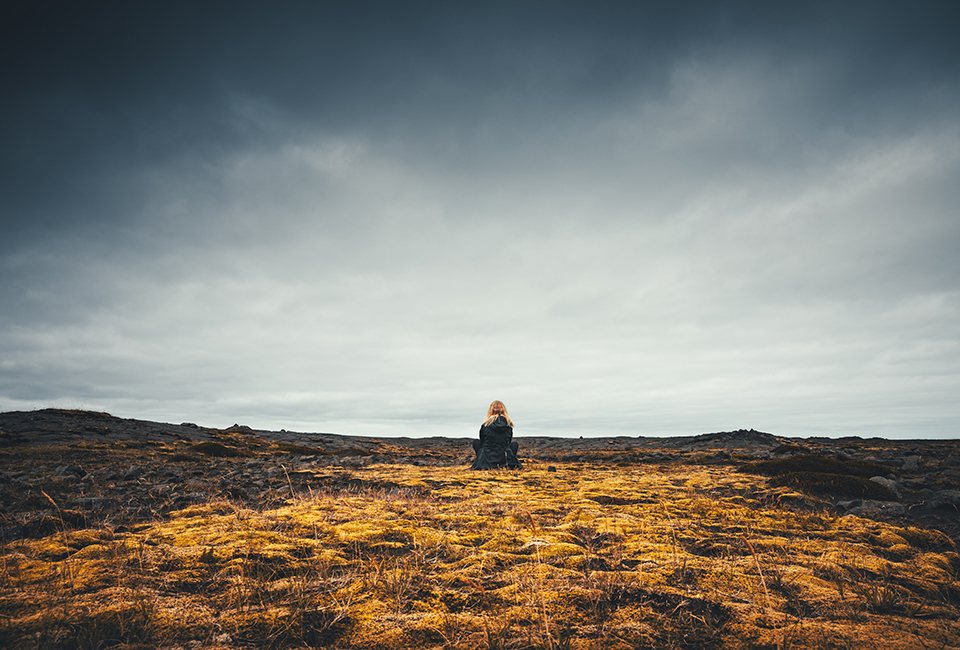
79	468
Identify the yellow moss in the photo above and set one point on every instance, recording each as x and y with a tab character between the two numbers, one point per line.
926	539
443	557
941	567
94	552
548	552
889	538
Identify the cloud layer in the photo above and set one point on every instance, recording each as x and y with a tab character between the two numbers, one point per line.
375	219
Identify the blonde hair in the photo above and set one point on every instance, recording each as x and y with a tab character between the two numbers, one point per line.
496	410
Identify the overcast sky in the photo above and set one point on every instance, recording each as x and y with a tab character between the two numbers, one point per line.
375	218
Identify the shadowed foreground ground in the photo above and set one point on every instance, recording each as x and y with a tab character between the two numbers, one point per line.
591	555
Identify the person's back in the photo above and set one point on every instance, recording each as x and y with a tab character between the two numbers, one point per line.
496	447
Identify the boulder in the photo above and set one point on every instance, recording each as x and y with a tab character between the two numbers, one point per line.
890	484
944	499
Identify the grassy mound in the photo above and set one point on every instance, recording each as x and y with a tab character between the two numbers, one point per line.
218	450
814	464
822	475
834	484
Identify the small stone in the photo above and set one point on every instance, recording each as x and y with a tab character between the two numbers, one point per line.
893	486
551	468
133	472
912	464
69	470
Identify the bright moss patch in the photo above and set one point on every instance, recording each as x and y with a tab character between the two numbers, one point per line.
580	558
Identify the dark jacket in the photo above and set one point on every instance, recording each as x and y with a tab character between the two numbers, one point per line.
496	448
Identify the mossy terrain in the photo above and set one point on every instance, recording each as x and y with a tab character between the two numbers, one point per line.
398	556
814	463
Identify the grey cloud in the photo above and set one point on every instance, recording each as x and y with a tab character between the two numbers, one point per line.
375	218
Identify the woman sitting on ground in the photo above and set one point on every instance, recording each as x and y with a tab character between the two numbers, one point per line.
496	447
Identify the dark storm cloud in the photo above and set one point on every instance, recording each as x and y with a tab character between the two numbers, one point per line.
292	206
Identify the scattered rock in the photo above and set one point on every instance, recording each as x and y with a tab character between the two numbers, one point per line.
944	499
890	484
911	464
871	508
190	497
69	470
952	476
